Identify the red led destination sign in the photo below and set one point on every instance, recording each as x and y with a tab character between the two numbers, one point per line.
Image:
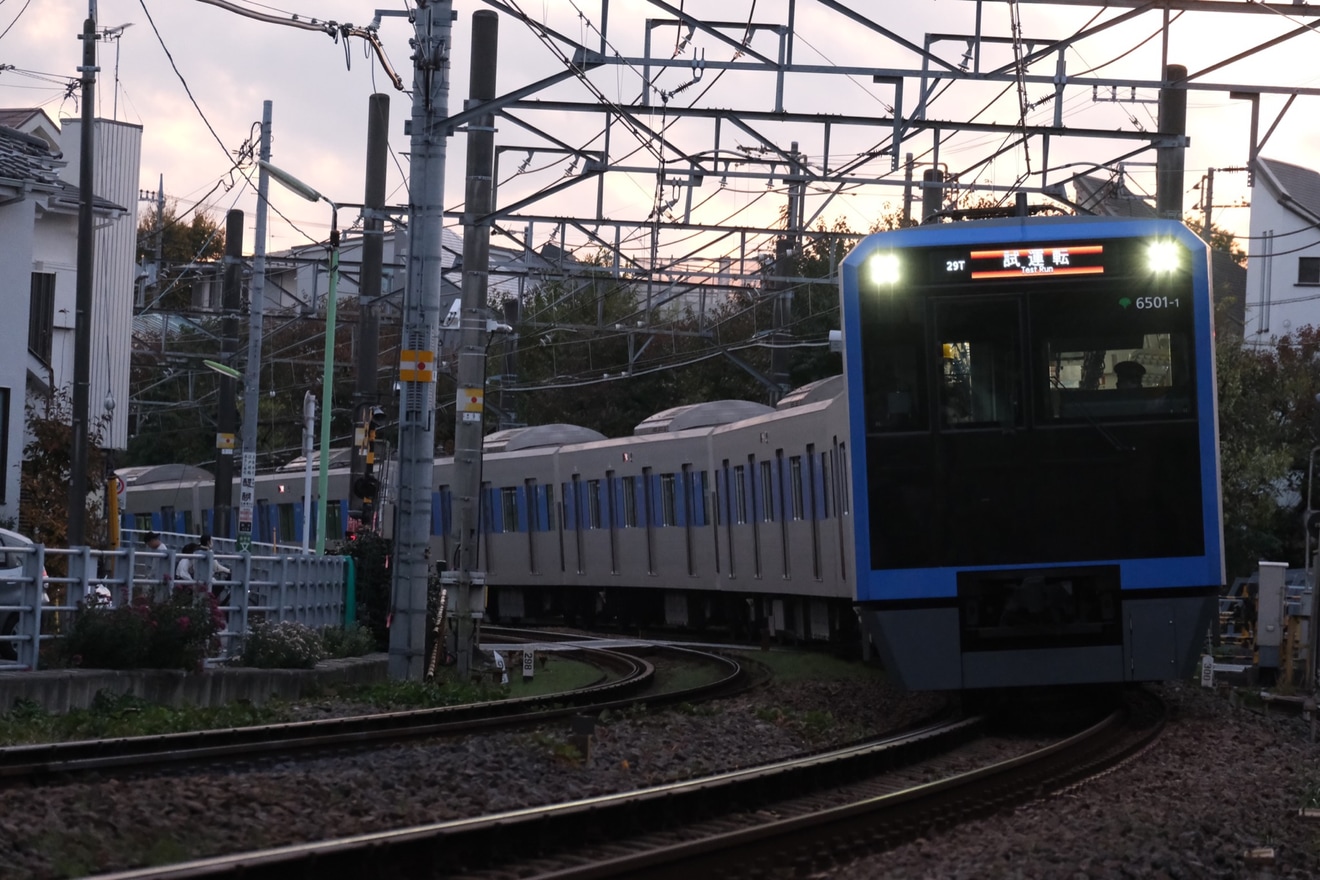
1032	262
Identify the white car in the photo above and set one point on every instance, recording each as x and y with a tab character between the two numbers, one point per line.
11	586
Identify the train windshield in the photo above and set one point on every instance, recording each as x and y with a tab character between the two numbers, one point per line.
1035	407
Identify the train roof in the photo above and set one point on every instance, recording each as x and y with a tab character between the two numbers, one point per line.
339	457
537	436
700	415
813	392
145	475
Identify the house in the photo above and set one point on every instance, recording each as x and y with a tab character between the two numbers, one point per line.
1110	197
1283	269
39	205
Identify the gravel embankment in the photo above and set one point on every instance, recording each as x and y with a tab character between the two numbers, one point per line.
1219	782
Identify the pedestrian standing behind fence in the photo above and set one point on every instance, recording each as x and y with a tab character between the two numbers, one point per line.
185	571
218	571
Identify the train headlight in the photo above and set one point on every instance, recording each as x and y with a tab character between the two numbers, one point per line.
884	268
1163	256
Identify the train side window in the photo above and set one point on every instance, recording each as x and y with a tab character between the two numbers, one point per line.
980	368
768	491
843	479
533	501
668	502
334	519
284	517
795	486
629	502
593	504
739	493
509	507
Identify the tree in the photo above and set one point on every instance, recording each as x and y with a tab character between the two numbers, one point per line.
181	242
1267	426
1220	240
43	509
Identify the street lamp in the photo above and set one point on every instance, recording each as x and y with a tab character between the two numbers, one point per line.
331	308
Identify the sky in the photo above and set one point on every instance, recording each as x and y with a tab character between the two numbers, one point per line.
194	75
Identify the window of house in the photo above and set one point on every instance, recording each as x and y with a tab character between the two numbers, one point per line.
1308	270
41	315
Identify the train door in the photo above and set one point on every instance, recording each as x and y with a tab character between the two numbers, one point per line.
610	520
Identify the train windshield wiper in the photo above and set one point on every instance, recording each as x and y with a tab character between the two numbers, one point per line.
1085	412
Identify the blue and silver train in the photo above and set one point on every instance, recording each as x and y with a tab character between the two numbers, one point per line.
1032	415
1013	483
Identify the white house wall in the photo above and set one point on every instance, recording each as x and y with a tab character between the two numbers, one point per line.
17	220
55	252
118	147
1276	302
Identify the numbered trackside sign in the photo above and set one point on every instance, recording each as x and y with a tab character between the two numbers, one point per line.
416	366
471	402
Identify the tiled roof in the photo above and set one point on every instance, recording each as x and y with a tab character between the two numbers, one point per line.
1300	185
1110	198
13	117
26	158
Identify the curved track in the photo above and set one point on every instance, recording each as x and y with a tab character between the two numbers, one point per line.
628	680
791	816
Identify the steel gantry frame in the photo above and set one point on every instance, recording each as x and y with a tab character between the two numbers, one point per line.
693	145
744	143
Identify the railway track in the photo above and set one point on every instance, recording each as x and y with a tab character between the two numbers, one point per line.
782	819
626	680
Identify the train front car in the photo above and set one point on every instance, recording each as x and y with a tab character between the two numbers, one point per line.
1037	490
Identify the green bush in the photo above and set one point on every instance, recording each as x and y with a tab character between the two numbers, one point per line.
354	642
282	645
177	633
371	553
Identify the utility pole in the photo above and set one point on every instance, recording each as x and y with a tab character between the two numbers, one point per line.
368	327
1170	154
82	326
474	333
432	24
247	487
228	416
1208	201
785	250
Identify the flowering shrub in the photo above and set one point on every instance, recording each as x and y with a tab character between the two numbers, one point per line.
352	642
177	633
282	645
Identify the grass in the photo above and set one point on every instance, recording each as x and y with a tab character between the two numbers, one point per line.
112	716
558	674
120	715
790	667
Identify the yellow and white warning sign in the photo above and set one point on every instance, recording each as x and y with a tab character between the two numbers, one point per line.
416	366
471	402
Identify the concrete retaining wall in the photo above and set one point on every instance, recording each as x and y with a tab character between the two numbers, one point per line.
59	690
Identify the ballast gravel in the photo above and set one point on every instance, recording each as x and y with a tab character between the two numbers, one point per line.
1224	782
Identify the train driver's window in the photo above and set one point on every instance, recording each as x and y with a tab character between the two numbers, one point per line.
1118	377
980	363
895	385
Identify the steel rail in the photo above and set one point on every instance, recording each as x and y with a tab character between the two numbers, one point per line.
29	763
